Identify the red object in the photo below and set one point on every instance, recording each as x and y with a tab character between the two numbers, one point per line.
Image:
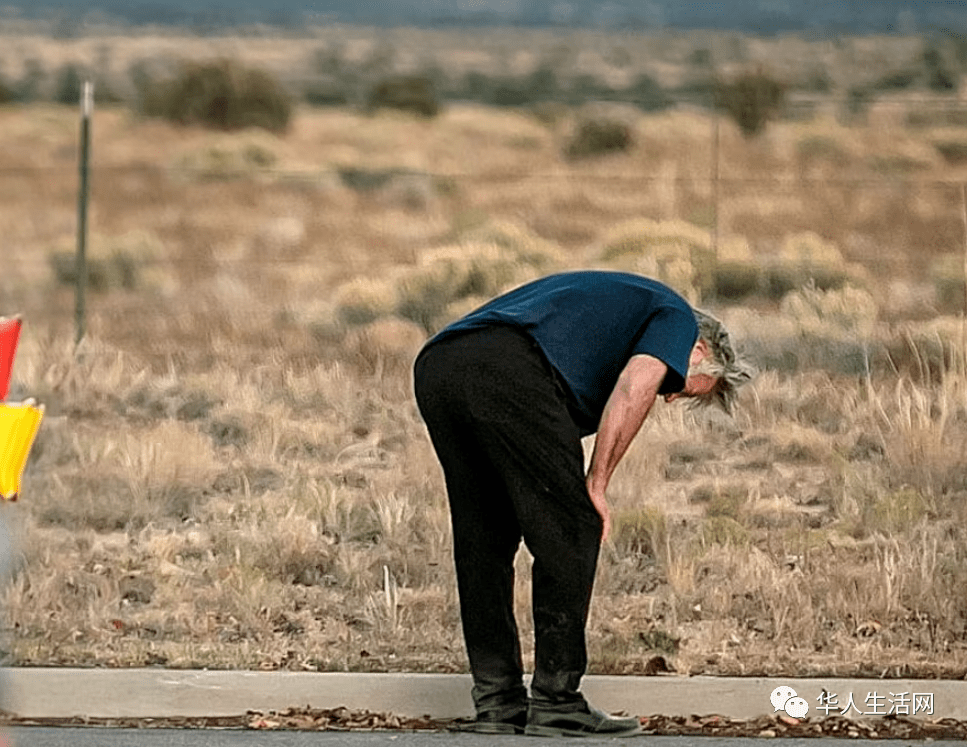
9	335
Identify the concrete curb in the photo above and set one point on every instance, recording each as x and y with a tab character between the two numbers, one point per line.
113	693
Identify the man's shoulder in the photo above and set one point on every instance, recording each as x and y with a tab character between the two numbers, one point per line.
607	278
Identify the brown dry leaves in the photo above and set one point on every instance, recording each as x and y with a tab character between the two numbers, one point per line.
345	719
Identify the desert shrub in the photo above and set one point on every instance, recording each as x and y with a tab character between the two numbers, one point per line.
736	274
943	68
805	258
408	188
674	252
893	513
229	157
486	260
67	85
898	80
549	113
328	59
595	137
69	82
510	92
926	352
585	88
29	87
820	148
474	86
646	93
830	330
426	290
847	311
326	91
817	80
126	262
388	344
363	300
947	274
813	330
954	152
526	247
898	164
8	93
221	94
412	93
451	280
599	130
751	100
736	279
541	84
639	531
430	292
857	104
724	530
728	502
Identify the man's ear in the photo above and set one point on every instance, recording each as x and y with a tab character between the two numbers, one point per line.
699	352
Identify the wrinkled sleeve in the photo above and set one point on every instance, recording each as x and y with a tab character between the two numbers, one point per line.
669	335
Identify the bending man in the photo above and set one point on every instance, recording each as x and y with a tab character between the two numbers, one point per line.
507	393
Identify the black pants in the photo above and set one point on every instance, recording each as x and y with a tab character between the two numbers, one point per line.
514	468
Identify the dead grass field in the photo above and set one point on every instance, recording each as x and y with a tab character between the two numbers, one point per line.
232	471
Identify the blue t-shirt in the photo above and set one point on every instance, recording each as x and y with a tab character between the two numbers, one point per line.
589	324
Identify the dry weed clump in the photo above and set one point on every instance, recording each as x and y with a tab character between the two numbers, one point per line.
222	94
674	252
834	330
846	312
737	273
947	275
751	99
410	93
802	259
600	130
132	261
387	345
230	158
450	280
928	351
363	300
954	152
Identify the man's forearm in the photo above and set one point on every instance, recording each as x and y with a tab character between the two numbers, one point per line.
624	413
619	425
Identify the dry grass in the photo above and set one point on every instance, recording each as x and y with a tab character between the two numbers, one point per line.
232	472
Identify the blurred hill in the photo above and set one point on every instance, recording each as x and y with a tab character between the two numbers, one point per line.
763	17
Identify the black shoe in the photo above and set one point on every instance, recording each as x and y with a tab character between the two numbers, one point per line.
589	722
494	723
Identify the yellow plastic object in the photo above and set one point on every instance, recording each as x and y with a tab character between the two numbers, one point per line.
18	427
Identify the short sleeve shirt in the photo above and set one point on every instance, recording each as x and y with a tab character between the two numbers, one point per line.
589	324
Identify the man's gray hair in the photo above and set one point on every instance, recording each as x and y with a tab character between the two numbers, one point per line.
727	364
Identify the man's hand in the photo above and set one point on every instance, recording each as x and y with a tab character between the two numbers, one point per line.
601	505
625	411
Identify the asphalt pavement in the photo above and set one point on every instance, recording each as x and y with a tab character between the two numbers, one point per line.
115	693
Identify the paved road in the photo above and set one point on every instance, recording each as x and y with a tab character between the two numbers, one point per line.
72	737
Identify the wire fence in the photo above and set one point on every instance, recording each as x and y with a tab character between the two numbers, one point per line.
900	213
